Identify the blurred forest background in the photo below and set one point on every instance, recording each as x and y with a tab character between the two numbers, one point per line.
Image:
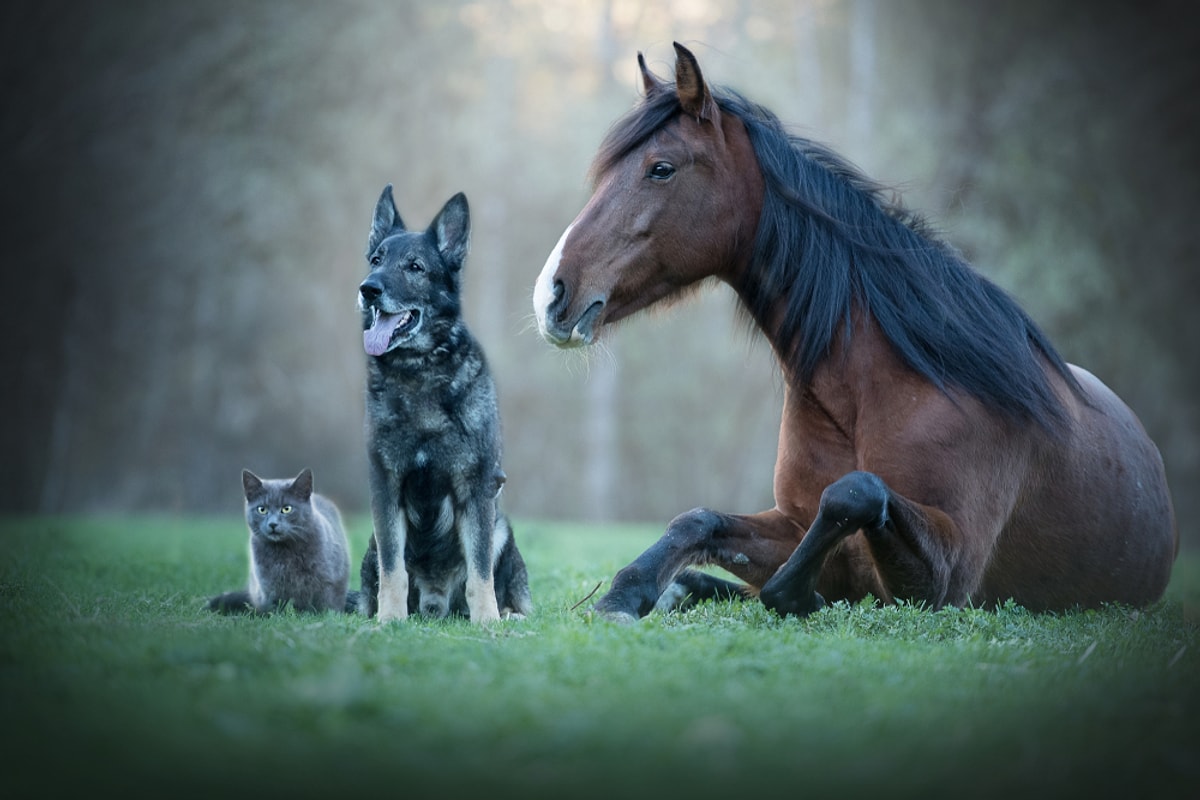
188	187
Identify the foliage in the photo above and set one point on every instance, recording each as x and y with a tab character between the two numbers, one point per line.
190	185
115	678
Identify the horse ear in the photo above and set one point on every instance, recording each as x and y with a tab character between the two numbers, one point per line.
386	220
451	230
650	81
693	93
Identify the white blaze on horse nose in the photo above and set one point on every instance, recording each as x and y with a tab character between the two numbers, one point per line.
543	290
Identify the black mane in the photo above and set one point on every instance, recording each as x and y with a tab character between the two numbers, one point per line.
831	240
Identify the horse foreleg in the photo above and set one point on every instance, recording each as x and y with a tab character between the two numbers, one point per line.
906	558
750	547
692	586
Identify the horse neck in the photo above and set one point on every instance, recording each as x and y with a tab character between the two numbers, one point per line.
746	188
800	285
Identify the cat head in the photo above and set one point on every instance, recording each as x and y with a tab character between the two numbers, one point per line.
278	509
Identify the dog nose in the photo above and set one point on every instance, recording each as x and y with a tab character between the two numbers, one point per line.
370	289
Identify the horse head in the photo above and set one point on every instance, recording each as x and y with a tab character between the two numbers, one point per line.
676	198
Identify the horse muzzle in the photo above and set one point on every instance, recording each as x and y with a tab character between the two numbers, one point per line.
557	322
560	332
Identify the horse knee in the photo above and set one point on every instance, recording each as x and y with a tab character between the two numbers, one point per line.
856	500
698	522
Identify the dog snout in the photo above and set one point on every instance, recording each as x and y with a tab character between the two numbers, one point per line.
370	290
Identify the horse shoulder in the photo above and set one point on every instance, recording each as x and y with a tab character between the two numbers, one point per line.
815	446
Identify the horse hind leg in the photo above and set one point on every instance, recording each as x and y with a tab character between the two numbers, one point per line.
749	547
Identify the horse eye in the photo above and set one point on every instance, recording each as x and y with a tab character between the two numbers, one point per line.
661	171
286	509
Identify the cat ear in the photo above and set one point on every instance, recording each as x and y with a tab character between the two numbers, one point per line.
386	220
251	483
303	485
451	230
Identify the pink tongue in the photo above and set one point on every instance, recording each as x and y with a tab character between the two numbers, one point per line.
376	338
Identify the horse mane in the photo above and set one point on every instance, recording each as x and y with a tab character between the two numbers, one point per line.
831	240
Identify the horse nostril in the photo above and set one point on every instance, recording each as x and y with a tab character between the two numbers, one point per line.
370	290
560	297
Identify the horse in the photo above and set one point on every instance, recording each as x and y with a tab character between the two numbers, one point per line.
934	447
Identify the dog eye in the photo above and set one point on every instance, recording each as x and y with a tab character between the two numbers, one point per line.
415	266
286	509
376	261
661	171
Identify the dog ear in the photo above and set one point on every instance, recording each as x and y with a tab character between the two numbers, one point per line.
451	230
251	484
303	485
387	219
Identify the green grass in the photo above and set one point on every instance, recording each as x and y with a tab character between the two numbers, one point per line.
116	680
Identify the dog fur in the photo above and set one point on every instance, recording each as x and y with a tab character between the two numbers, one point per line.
441	544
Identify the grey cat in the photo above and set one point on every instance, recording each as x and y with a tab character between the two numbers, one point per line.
298	550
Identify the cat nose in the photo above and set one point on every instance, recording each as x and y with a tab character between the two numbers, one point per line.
370	289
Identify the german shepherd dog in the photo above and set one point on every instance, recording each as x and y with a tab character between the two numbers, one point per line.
441	544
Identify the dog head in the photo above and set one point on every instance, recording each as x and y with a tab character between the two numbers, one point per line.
412	292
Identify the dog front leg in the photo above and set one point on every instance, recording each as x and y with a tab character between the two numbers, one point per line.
475	527
391	533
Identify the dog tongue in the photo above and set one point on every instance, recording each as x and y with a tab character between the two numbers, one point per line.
377	337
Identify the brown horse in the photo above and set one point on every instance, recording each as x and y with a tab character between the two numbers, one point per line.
934	446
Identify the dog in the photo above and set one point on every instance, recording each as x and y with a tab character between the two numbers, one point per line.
441	544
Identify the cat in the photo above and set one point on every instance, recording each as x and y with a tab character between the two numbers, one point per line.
298	550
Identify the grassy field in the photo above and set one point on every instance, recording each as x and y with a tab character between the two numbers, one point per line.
117	682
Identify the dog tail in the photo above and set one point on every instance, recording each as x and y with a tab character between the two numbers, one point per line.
511	576
356	602
232	603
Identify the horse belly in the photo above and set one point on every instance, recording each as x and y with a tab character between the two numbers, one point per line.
1095	523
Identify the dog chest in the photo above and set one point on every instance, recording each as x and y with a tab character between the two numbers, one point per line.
427	500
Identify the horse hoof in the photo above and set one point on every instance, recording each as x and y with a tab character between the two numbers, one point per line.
791	607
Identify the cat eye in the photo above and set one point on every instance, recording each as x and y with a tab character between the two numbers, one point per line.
262	509
286	509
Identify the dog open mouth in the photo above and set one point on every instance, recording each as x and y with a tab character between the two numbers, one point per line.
387	329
